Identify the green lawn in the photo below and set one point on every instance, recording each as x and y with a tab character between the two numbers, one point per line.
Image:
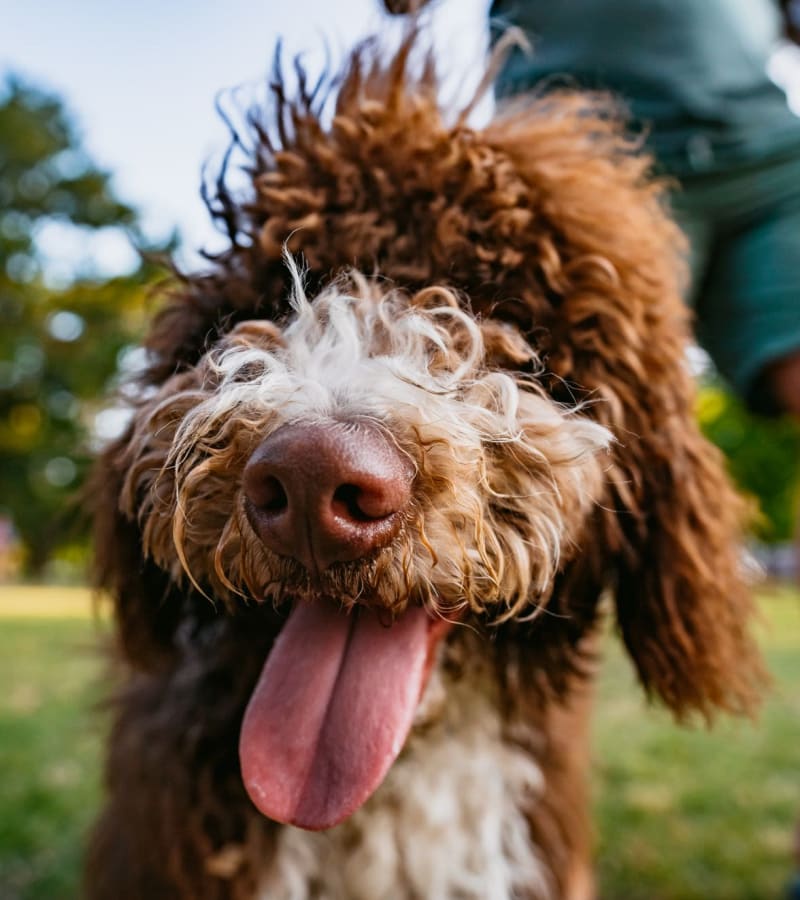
698	814
681	815
49	739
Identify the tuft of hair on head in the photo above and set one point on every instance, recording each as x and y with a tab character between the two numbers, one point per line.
298	299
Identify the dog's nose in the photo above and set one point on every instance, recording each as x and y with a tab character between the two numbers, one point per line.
326	493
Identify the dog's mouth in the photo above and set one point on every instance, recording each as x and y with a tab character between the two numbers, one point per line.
332	709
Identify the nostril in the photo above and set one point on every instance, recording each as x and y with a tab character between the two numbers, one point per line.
275	499
369	502
345	503
268	495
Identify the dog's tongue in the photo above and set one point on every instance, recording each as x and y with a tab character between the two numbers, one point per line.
331	711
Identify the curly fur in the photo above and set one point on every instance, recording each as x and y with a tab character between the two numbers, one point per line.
519	312
502	481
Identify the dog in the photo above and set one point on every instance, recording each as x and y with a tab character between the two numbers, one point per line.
425	418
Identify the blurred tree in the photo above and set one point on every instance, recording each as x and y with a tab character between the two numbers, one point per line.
65	321
763	457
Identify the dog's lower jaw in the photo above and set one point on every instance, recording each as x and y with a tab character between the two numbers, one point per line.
451	820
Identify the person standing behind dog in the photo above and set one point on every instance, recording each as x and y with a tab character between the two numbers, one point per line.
693	74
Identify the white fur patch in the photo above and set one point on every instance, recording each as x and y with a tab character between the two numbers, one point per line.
446	823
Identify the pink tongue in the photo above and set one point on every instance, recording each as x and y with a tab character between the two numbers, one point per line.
331	711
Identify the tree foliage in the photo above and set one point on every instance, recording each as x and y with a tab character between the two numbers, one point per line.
65	325
763	457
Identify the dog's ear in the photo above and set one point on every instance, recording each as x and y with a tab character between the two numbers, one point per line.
683	602
606	287
146	612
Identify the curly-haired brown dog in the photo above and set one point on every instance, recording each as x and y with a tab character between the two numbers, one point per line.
420	480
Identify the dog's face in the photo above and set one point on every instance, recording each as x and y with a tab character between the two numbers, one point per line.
376	464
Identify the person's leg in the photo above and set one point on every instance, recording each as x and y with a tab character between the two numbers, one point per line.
749	310
698	227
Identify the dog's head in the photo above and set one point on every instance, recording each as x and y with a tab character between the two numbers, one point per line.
371	464
390	456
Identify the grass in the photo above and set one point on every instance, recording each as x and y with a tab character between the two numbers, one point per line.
697	814
49	739
681	815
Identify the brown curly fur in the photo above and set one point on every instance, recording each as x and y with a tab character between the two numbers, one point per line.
547	220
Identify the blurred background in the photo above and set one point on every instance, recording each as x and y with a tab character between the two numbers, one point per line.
107	117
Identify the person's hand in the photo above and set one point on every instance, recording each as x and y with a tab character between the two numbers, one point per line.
791	16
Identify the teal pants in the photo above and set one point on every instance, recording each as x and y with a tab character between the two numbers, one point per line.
743	225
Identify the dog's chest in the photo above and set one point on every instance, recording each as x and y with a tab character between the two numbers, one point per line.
446	823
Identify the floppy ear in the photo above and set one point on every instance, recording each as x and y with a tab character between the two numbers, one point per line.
147	608
610	263
683	602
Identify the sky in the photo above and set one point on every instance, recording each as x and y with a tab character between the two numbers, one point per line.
141	81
